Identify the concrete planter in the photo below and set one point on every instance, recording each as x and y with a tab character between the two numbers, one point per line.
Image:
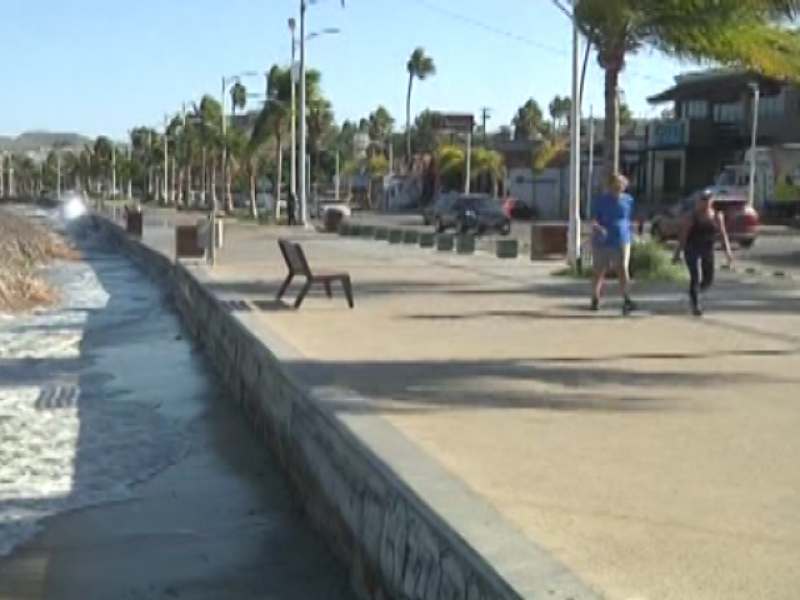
367	231
354	229
465	244
427	240
343	228
445	242
396	236
508	248
411	236
381	234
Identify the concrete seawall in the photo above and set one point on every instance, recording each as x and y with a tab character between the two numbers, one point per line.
394	544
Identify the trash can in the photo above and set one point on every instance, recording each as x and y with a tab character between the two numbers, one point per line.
189	241
333	218
134	221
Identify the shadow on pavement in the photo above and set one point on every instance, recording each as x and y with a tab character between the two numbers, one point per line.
421	386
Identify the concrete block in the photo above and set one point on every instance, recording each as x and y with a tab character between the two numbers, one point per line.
367	231
506	248
465	244
355	229
381	234
396	236
445	242
427	239
411	236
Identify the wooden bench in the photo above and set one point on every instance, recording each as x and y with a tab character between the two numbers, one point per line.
298	266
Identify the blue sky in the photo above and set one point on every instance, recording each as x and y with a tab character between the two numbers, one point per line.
103	66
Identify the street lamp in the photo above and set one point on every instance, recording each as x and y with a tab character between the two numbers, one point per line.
302	171
754	136
574	227
293	118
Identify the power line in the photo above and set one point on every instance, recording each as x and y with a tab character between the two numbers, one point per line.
516	37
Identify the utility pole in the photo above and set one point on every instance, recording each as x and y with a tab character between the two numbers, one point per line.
486	114
113	170
130	171
166	159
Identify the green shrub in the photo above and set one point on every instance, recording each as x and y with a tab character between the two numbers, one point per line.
650	261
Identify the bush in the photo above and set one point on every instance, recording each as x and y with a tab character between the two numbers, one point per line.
650	261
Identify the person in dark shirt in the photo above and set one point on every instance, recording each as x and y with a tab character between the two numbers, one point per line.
291	209
611	239
699	231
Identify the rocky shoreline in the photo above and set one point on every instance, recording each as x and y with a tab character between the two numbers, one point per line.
25	248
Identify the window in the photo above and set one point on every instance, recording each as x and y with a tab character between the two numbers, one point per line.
771	106
729	113
694	109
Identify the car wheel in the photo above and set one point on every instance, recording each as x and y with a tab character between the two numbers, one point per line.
505	229
438	225
747	243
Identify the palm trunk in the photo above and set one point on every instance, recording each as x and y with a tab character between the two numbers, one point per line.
212	168
228	187
278	177
611	148
252	172
408	120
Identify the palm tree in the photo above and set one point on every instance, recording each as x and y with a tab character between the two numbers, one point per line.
207	118
419	66
748	34
272	120
319	120
528	122
238	101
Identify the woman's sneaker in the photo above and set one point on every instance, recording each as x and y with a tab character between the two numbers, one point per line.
628	306
594	306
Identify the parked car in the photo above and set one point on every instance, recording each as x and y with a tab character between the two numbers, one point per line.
479	213
741	220
519	210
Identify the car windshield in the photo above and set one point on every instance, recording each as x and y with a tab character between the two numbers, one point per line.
479	203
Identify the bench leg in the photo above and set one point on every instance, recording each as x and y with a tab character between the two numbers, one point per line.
302	295
328	290
347	286
284	286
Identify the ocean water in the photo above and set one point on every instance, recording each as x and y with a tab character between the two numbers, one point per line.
90	390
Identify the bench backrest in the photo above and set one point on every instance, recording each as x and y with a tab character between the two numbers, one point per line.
294	257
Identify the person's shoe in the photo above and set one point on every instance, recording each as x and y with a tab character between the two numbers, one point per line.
697	311
594	306
628	306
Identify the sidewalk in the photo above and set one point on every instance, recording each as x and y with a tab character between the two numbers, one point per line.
654	456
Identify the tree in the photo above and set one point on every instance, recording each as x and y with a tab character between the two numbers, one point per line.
419	66
625	113
380	124
528	122
747	34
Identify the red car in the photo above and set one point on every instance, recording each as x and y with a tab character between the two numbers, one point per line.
741	220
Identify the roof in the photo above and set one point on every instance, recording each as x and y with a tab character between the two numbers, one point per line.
714	83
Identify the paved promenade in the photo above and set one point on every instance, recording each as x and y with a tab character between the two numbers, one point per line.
655	456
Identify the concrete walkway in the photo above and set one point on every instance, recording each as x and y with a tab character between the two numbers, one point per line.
654	456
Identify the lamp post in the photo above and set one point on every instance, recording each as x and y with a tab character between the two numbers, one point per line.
302	170
294	76
574	227
754	137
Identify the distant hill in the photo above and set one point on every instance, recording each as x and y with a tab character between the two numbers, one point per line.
35	140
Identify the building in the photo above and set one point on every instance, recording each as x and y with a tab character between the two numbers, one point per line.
548	190
712	128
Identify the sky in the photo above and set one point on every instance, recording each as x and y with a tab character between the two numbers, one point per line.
101	67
